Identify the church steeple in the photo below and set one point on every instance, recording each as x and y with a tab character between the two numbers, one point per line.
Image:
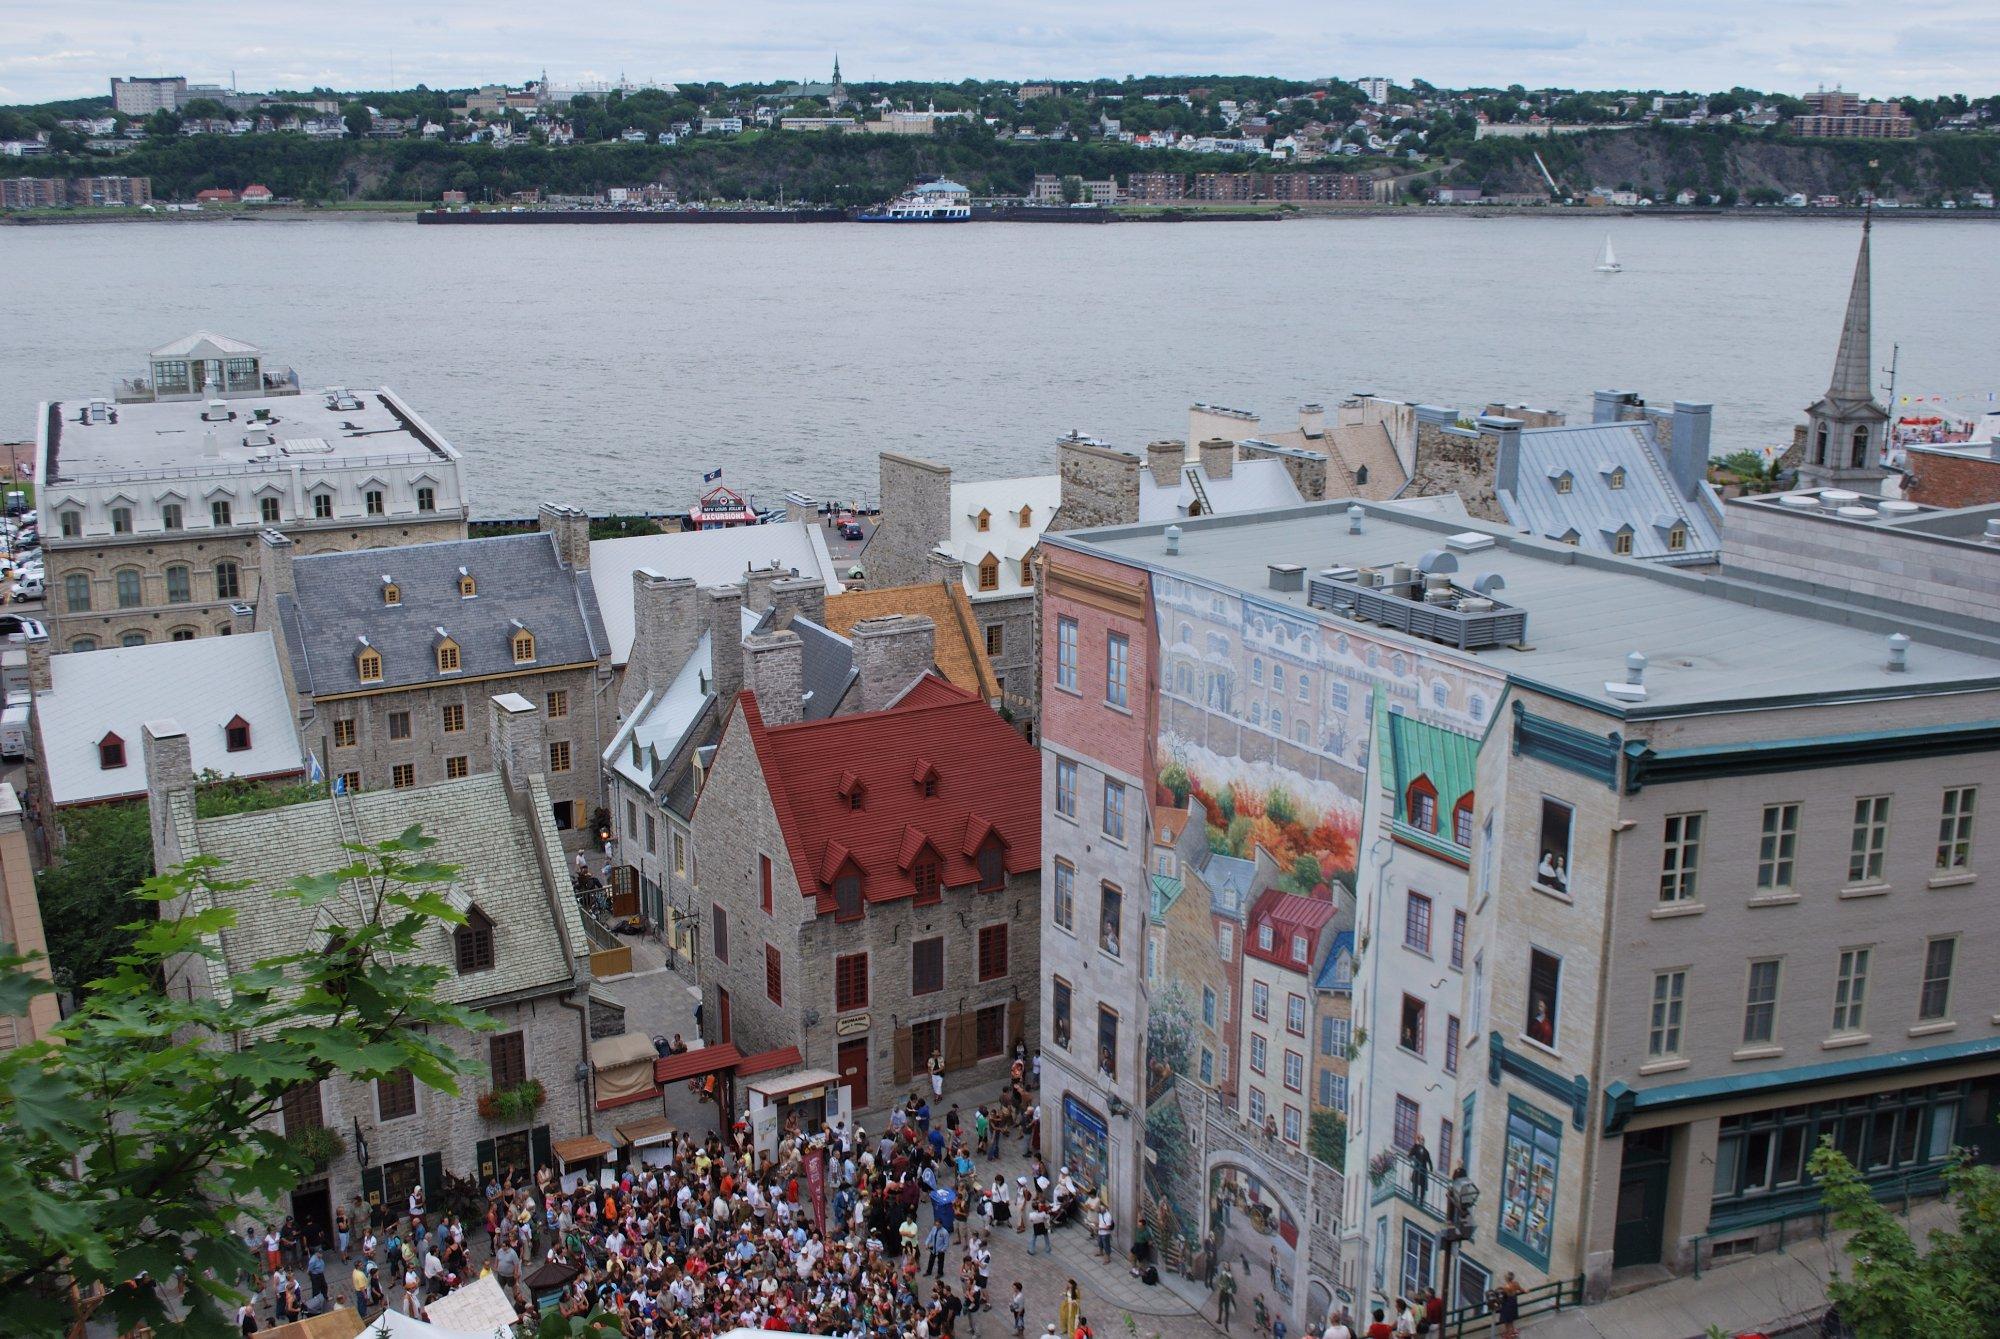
1846	430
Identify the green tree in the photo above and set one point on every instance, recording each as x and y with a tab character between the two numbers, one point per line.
1072	190
1326	1137
137	1134
358	120
86	896
1170	1030
1893	1287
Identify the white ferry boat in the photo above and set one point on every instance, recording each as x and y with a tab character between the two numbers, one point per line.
939	201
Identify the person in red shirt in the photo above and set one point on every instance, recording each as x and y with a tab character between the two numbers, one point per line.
1380	1328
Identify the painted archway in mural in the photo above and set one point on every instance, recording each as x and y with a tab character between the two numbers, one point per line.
1254	1228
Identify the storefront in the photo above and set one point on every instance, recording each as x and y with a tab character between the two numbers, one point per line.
581	1160
1086	1143
808	1096
650	1139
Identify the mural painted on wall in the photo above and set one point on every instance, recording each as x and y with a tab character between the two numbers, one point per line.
1252	1230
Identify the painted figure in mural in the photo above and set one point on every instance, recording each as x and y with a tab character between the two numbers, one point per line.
1541	1027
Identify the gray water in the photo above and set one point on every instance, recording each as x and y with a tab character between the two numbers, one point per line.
611	366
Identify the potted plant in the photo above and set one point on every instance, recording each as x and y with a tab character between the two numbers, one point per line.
317	1145
516	1102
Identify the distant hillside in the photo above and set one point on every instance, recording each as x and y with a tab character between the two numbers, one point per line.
1661	161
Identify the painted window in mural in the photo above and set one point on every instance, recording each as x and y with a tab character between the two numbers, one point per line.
1544	997
1552	864
1085	1139
1530	1165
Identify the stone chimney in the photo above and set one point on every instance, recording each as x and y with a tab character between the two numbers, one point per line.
943	567
1505	434
1312	420
799	597
274	565
1100	484
799	508
1687	449
169	772
722	615
1164	461
890	652
41	676
1616	406
1218	457
666	627
757	583
515	735
774	669
571	527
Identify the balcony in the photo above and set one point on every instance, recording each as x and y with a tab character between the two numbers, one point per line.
1399	1182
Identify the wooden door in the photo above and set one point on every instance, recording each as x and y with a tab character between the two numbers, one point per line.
853	1069
722	1015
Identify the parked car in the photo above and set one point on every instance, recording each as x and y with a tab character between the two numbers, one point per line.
21	628
29	587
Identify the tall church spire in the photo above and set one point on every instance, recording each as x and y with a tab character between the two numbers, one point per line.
1852	366
1846	430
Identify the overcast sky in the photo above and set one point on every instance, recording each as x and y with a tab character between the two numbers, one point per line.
55	50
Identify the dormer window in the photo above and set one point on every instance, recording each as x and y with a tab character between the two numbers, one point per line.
1461	821
1027	569
236	735
1420	805
927	876
984	520
368	665
989	572
447	656
925	777
524	646
472	943
111	753
1616	479
992	864
1621	543
1027	517
851	789
1265	937
467	587
1564	482
391	592
373	501
1677	539
1301	946
847	896
322	506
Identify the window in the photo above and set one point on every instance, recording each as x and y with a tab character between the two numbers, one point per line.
1417	924
764	882
121	520
524	646
558	703
1934	1000
992	952
403	776
179	587
236	735
1411	1034
1301	945
302	1107
457	767
1295	1015
1621	543
1760	1004
1295	1072
680	859
1208	1006
76	592
507	1057
774	976
1563	483
1256	1106
1066	787
1617	479
427	498
1458	940
850	982
1552	865
128	588
992	865
1335	1035
1680	857
467	587
1266	936
1117	657
396	1096
1110	918
228	580
719	932
1871	839
368	666
1677	539
348	783
1114	810
322	506
392	594
1451	1033
1777	848
1663	1037
1333	1090
1260	1001
72	524
1461	821
454	718
1259	1053
559	755
1850	988
447	657
399	725
181	635
1419	1246
1544	996
989	573
989	1031
1066	654
847	896
984	520
132	639
1207	1065
652	834
472	942
1063	900
1420	805
1027	569
267	510
1955	828
373	499
926	966
1408	1117
110	753
170	516
1107	1043
1059	1011
564	814
218	512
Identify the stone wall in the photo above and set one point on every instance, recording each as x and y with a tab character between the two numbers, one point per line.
916	518
1451	459
1307	468
1014	663
1100	484
1949	479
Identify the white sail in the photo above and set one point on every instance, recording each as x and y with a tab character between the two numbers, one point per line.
1608	261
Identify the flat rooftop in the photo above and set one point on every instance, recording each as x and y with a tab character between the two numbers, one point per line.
325	428
1709	640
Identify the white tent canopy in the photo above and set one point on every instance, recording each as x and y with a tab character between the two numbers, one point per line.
480	1307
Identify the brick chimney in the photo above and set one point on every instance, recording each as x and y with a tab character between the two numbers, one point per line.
1218	457
666	627
890	652
1164	460
571	527
169	773
274	565
515	735
774	669
799	597
722	615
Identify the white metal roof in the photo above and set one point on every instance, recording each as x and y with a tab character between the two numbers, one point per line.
206	344
1005	538
711	557
1252	485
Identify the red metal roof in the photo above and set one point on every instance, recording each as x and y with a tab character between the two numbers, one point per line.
785	1057
1288	914
688	1064
989	781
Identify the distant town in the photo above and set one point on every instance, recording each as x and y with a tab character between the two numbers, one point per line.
171	144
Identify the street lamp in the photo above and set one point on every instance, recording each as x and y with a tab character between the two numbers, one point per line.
1460	1197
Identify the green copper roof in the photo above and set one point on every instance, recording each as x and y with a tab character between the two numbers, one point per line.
1447	759
1166	891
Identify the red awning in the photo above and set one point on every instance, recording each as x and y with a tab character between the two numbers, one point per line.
688	1064
765	1061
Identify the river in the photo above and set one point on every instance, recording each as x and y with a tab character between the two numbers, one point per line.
611	367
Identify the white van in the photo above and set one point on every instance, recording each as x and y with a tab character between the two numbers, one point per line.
14	728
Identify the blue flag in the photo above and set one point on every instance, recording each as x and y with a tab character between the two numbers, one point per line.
314	774
711	476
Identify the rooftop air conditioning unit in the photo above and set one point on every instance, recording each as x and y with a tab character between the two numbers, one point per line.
1799	501
216	412
258	437
1469	541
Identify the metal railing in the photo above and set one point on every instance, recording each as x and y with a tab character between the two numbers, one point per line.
1477	1317
1922	1181
1400	1183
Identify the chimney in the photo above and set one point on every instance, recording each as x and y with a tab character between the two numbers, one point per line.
1687	451
799	507
514	734
274	567
169	772
666	627
722	615
1164	461
774	669
1506	437
757	583
41	676
1312	421
571	527
1609	406
943	567
1218	457
798	597
890	652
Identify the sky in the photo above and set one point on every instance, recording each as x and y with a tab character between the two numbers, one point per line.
1876	47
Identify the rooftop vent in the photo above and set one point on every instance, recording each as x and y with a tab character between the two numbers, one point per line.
1469	541
1897	507
1858	514
1173	539
342	400
1288	576
1833	499
1437	560
1441	612
1355	515
217	411
1899	653
258	437
1800	501
1992	535
1488	582
242	610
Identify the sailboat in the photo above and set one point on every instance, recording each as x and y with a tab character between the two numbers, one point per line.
1607	263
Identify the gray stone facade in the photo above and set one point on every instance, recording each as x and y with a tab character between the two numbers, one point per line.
916	517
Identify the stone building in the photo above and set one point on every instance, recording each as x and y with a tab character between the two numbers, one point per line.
151	499
21	923
389	655
521	956
868	883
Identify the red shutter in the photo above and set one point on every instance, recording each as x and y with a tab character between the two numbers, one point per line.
764	881
774	977
993	952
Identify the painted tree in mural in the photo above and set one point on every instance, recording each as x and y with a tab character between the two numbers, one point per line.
1313	849
1170	1033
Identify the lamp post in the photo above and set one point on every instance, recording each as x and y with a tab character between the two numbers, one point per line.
1459	1200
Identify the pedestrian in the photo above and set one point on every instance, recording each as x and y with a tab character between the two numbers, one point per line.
1225	1295
1083	1330
938	1241
1420	1168
343	1226
937	1073
1070	1310
1104	1226
1508	1306
1381	1329
1338	1328
316	1272
1038	1227
1432	1321
1017	1307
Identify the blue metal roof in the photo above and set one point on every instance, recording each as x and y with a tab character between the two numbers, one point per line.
1343	947
1648	503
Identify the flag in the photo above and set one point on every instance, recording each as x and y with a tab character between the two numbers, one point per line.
340	785
711	476
315	773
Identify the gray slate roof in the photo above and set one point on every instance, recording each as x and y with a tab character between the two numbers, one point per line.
1649	503
338	601
827	669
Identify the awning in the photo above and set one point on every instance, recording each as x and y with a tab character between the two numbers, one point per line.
480	1307
787	1084
785	1057
686	1065
570	1152
624	1069
341	1324
643	1133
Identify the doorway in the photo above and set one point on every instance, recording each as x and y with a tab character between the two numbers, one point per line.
853	1068
312	1210
1642	1198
